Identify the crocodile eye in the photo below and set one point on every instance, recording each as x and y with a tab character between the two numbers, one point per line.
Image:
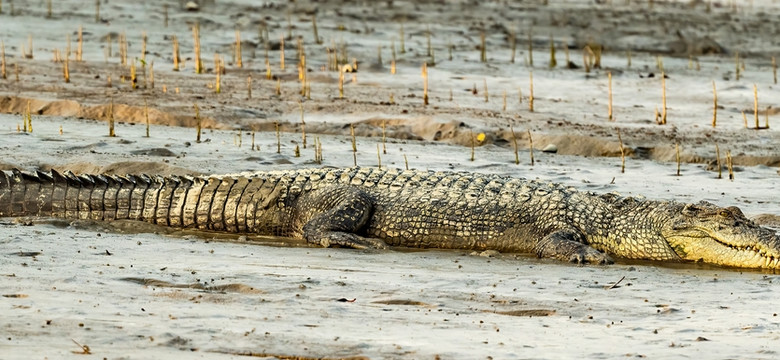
690	210
725	213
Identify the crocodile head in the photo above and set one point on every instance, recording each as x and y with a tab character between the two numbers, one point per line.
724	236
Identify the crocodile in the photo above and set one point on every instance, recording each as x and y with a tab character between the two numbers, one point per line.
382	208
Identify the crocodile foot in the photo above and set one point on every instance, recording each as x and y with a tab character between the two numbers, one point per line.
567	245
348	240
589	255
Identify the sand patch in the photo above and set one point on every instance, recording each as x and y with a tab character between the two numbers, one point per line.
122	168
121	112
404	302
227	288
525	313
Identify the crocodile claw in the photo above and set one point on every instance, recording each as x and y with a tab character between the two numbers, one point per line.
348	240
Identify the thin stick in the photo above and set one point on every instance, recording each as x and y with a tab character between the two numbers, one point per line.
197	122
249	86
406	162
133	75
146	116
587	58
531	92
384	136
24	118
531	146
514	143
487	96
218	72
80	45
755	104
730	165
239	61
122	48
151	75
766	118
504	97
425	83
2	60
553	61
609	107
303	125
736	65
196	37
482	47
714	104
278	138
111	119
65	71
144	39
352	136
677	152
403	47
471	136
628	57
744	118
512	45
663	96
253	141
314	28
622	153
717	156
30	55
774	69
341	82
319	150
616	283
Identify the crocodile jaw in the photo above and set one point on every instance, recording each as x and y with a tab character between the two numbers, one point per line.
759	251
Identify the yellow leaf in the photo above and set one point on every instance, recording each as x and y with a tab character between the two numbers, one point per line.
481	137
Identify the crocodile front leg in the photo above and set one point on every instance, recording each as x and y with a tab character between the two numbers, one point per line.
567	245
335	215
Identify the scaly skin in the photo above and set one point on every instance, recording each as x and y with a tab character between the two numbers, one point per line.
372	208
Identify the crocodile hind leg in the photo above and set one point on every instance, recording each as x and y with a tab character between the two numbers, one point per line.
566	245
334	216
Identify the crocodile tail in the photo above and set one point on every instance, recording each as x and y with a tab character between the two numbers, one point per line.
225	204
66	195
